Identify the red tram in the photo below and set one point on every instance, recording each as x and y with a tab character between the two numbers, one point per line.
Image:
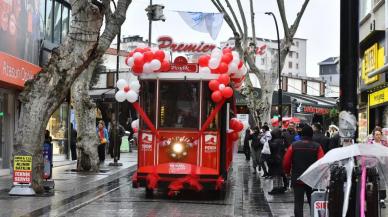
185	140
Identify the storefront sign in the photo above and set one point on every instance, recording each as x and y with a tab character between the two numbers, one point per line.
22	169
373	59
15	71
181	65
166	42
311	109
378	97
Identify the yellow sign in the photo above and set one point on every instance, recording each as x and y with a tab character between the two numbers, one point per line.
373	59
378	97
22	163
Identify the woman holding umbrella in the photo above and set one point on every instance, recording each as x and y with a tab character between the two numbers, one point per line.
377	139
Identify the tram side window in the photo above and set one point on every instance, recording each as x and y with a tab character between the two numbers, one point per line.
148	101
208	107
179	104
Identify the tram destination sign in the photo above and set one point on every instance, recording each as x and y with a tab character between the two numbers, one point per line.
181	65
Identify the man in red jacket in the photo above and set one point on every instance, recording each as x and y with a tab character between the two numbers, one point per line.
299	156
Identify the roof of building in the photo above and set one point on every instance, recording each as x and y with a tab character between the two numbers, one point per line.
329	61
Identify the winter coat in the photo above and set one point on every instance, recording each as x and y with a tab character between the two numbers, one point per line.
322	140
256	144
276	145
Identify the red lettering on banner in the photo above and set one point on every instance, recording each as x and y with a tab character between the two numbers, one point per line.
166	42
311	109
22	177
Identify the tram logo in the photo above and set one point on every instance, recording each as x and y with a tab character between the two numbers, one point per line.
146	138
210	139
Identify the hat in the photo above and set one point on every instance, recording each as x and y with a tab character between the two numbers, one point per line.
307	131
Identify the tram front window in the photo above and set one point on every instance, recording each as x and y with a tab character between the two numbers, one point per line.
179	104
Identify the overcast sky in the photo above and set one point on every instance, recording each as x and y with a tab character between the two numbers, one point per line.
319	25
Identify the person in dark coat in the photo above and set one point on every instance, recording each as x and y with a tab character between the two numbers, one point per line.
300	156
320	138
275	162
246	148
256	148
116	133
73	143
289	134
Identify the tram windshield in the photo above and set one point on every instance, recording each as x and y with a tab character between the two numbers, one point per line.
179	104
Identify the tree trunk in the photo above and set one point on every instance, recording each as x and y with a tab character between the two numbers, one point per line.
43	94
85	111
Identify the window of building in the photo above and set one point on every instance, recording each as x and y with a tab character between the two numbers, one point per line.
297	65
49	20
290	54
290	65
297	55
297	43
179	109
57	22
365	7
65	22
330	79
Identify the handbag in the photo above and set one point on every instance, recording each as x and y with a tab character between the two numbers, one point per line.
266	149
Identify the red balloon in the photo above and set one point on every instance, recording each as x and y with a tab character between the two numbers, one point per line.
223	68
232	123
135	130
139	49
159	55
137	68
234	136
240	64
126	88
224	79
227	92
203	60
239	126
139	61
148	56
213	85
227	58
217	96
227	50
214	71
131	53
165	66
146	49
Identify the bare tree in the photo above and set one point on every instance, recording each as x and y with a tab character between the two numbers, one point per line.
260	108
43	94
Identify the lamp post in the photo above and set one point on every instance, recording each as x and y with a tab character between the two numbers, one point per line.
280	95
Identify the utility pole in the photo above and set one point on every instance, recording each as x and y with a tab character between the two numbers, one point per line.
149	24
349	54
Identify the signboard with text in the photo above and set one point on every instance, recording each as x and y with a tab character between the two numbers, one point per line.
181	65
378	97
22	169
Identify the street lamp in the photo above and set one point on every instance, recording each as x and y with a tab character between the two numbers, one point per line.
280	95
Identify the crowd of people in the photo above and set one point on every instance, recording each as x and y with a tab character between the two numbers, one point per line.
283	155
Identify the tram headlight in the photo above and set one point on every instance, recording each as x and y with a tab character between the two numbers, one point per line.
177	148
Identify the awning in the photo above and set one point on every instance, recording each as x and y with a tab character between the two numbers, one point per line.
106	93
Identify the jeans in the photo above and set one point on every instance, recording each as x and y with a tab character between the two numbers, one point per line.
299	191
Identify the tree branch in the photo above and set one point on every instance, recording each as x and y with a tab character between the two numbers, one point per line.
235	18
282	12
107	10
253	25
227	18
245	36
295	25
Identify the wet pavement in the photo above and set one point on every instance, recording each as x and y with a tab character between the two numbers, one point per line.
110	193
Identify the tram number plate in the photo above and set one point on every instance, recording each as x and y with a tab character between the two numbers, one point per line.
210	149
176	168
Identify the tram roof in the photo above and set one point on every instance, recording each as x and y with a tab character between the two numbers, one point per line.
195	76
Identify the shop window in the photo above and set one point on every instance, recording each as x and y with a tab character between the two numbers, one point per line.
57	22
57	126
148	101
49	20
179	104
208	107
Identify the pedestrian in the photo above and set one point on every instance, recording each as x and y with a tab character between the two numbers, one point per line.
334	137
275	162
116	134
377	139
289	134
298	136
246	148
131	132
73	142
102	133
265	151
320	138
255	147
47	138
299	156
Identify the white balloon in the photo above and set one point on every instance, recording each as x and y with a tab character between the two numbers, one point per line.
236	56
233	67
135	124
216	53
121	83
120	96
132	96
147	68
204	70
131	60
221	86
137	54
155	64
213	63
135	86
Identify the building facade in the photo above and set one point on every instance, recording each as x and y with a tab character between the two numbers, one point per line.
329	71
373	89
295	63
29	30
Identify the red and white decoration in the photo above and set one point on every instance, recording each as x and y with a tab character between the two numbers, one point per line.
127	91
220	88
236	127
145	60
